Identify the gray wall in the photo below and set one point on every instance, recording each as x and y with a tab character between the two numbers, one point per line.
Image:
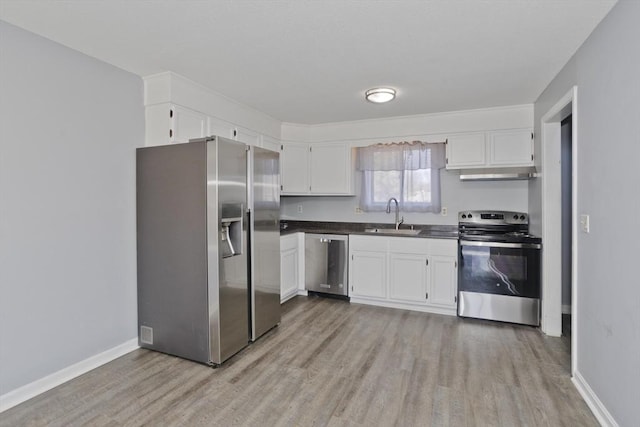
606	70
456	196
69	126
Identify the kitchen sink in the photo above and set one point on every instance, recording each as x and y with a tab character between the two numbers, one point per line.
405	232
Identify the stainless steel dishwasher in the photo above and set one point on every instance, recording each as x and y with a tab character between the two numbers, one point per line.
326	259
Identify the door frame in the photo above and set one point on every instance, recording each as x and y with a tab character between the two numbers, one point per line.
551	322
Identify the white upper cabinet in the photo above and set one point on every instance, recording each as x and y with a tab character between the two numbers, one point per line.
217	127
186	124
330	166
247	136
511	147
270	143
316	169
466	150
294	168
500	148
168	123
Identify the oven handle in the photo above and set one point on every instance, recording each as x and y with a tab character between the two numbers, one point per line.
501	244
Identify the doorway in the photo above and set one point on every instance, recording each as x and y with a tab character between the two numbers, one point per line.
559	266
566	196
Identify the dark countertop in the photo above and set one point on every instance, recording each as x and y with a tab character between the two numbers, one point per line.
319	227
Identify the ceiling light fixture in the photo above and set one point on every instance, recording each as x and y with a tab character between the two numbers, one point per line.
379	95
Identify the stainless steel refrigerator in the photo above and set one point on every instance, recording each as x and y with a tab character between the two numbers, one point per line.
196	208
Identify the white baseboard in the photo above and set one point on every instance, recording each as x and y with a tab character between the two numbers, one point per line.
599	410
566	309
286	297
28	391
302	292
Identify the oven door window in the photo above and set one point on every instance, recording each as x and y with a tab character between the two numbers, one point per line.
498	270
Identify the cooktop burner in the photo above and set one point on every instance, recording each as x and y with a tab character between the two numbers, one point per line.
495	226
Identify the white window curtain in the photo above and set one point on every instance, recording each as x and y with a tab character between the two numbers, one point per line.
408	171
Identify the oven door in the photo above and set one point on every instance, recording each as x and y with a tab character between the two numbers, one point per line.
499	281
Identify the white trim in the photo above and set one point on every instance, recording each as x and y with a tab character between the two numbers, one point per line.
303	292
28	391
404	306
574	231
526	107
551	322
566	308
603	416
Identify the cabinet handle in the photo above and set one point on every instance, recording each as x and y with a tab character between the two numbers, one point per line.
427	261
455	299
427	295
170	133
455	264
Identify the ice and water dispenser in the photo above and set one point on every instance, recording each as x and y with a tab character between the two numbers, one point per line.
231	229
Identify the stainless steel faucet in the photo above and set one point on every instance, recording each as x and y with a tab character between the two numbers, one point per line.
398	220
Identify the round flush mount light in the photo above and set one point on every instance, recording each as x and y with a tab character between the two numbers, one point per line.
379	95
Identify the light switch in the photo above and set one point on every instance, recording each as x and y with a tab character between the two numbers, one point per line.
584	223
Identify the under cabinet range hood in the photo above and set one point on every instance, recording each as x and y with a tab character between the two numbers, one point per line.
498	174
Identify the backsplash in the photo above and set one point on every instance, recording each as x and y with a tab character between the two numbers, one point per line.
456	196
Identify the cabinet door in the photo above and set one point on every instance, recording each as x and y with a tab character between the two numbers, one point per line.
247	136
408	277
219	127
270	143
466	150
330	166
367	274
294	168
187	124
443	281
511	147
289	272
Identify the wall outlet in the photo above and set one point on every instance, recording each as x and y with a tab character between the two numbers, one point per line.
299	208
584	223
444	211
358	210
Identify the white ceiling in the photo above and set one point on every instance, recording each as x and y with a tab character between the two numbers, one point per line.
306	61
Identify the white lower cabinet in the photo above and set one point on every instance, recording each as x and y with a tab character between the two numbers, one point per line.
367	272
443	281
403	272
290	260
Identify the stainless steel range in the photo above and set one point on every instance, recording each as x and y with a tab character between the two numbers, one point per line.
499	267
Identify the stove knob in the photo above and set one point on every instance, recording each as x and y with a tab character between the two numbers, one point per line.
522	217
470	216
515	217
463	216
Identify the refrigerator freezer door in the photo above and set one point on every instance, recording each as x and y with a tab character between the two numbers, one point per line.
172	263
265	240
228	272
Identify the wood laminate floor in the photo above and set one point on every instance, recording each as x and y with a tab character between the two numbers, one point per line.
331	363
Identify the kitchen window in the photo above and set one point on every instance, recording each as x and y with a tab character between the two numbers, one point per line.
410	172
